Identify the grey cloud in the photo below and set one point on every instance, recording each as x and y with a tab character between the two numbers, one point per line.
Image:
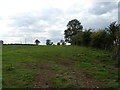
94	17
103	7
24	19
50	15
32	39
29	23
55	35
119	12
97	25
97	8
28	19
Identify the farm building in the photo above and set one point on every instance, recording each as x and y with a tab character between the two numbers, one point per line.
1	42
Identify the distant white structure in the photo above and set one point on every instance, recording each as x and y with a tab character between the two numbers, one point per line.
1	42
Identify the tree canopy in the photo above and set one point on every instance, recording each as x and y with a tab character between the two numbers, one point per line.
73	27
37	41
113	29
48	42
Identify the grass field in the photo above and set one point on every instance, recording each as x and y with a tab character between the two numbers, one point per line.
58	66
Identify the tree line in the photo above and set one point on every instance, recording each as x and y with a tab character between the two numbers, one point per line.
49	42
106	39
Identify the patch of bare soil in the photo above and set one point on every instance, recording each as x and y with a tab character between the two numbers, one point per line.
65	62
83	79
76	76
44	74
79	77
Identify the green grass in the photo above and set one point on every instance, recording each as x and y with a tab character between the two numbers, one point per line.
61	82
97	63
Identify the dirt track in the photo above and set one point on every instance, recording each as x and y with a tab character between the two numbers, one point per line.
78	77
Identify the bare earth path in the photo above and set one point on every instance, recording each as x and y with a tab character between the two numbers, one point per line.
44	74
78	77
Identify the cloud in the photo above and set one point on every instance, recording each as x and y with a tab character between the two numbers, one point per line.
119	12
48	21
103	7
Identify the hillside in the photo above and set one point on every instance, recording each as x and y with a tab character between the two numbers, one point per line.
58	66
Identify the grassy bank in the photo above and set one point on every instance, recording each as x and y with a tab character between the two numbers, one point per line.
21	63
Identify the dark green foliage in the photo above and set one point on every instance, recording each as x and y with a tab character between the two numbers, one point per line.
107	39
117	38
116	53
48	42
62	42
86	38
58	43
113	29
37	42
101	39
77	39
73	27
82	38
67	36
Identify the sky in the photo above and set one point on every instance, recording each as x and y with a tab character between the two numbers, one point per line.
24	21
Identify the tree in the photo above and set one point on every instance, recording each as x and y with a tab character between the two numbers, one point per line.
51	43
37	41
73	27
77	39
112	29
58	43
117	38
101	39
48	42
116	50
62	42
86	37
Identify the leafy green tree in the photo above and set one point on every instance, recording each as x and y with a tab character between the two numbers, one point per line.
48	42
116	53
77	39
58	43
86	37
73	27
100	39
62	42
37	41
116	50
112	29
52	43
117	34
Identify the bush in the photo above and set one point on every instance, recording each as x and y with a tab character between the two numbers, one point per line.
86	37
101	39
77	39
